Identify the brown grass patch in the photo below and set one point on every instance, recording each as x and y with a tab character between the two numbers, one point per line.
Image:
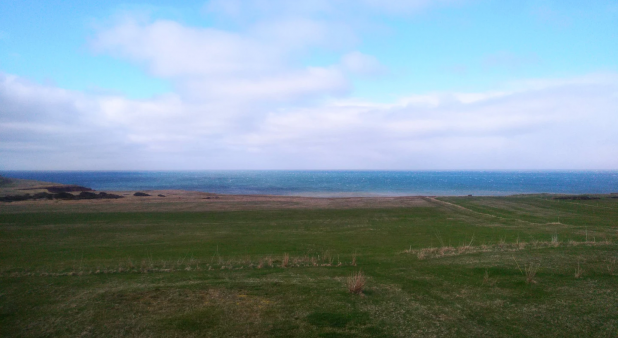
501	246
487	280
531	270
578	271
356	282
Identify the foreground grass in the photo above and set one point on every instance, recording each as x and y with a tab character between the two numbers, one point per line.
226	273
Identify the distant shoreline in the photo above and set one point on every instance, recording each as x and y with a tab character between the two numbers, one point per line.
21	185
342	184
19	196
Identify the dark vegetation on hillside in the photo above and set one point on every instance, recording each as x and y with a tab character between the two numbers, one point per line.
577	198
4	181
67	188
54	191
84	195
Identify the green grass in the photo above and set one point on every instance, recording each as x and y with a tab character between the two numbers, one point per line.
217	274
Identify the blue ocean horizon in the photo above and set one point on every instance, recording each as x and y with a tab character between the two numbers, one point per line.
340	183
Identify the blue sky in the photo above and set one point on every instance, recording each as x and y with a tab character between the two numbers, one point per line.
261	84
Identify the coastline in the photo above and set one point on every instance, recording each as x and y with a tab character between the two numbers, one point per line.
333	184
177	200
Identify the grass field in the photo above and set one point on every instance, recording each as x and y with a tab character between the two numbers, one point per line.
520	266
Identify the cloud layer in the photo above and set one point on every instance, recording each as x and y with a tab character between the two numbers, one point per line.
566	124
244	99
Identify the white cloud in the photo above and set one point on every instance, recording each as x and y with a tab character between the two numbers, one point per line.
277	87
551	128
48	127
569	124
359	63
206	63
172	50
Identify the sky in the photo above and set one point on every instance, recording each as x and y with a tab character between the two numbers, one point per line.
278	84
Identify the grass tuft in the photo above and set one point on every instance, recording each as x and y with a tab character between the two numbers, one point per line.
578	271
531	270
356	282
487	280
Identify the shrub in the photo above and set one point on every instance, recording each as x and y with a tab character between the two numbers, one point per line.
356	283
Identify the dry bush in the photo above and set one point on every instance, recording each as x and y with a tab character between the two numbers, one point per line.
531	270
578	272
611	264
501	243
356	283
487	280
327	258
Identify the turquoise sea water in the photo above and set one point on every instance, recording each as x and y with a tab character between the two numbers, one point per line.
340	183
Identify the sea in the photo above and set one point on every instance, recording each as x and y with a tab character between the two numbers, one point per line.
340	183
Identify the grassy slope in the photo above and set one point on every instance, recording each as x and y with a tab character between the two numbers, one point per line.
15	186
196	274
